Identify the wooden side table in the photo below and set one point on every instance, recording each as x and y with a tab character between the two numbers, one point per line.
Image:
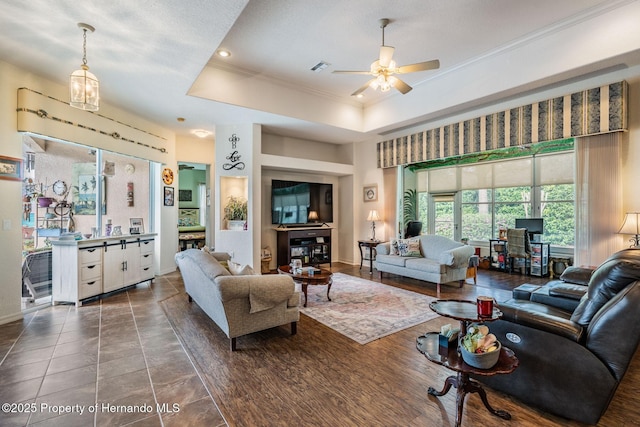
472	270
371	244
428	344
565	261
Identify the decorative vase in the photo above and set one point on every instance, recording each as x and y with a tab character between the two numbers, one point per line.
235	225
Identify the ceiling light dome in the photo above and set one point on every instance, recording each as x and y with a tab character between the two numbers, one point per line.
201	133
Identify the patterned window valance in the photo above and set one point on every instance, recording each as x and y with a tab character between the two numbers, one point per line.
593	111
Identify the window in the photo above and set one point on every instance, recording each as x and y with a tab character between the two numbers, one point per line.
558	212
477	214
537	186
511	203
65	173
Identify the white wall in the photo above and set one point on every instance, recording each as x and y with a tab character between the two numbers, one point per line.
12	79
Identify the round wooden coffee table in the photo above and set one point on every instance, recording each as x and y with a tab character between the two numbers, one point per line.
323	277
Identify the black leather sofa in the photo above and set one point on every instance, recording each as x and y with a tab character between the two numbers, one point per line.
571	361
564	293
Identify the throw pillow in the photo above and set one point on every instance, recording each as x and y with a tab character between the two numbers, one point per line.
393	247
237	269
409	247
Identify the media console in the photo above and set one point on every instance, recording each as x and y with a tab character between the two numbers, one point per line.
311	245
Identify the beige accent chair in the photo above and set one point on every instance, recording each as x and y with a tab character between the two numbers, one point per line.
239	305
518	247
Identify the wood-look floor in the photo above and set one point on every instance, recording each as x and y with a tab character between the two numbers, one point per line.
321	378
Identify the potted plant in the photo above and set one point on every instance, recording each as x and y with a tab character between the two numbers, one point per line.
235	212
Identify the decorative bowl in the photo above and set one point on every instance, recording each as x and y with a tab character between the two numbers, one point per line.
481	360
44	202
87	235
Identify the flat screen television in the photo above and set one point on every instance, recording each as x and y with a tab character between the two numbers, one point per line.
533	225
291	202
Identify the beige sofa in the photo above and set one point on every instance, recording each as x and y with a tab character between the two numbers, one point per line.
239	305
439	260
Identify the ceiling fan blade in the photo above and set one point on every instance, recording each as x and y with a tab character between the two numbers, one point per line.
350	72
362	88
420	66
402	86
386	54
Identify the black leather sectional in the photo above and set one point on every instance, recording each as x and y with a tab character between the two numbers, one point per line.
574	337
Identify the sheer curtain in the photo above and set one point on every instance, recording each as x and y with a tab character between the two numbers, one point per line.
598	197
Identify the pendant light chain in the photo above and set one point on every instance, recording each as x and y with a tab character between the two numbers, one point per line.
84	47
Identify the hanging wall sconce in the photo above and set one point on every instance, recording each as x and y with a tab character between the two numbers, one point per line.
84	87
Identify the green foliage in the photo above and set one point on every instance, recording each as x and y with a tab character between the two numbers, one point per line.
485	211
410	206
236	209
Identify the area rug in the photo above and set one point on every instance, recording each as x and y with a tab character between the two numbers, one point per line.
364	310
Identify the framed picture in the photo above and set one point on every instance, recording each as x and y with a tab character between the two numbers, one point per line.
370	193
136	226
84	189
184	195
168	196
10	168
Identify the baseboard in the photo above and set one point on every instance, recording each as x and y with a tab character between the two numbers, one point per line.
11	318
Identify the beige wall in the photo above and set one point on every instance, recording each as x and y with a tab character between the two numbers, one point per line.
631	152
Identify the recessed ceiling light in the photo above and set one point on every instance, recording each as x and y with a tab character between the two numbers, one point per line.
223	53
201	133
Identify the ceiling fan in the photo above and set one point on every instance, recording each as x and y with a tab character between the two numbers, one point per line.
384	69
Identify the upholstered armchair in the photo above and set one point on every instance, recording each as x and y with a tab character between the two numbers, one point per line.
518	247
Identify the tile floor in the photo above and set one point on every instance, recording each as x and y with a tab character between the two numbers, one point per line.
111	362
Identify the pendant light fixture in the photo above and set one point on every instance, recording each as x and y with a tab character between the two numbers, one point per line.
84	87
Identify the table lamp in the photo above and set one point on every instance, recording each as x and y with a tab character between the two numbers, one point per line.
631	225
373	217
313	216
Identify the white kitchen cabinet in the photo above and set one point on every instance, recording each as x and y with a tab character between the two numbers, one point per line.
86	268
121	264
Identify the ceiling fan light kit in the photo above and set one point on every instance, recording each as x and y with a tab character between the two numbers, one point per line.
384	68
